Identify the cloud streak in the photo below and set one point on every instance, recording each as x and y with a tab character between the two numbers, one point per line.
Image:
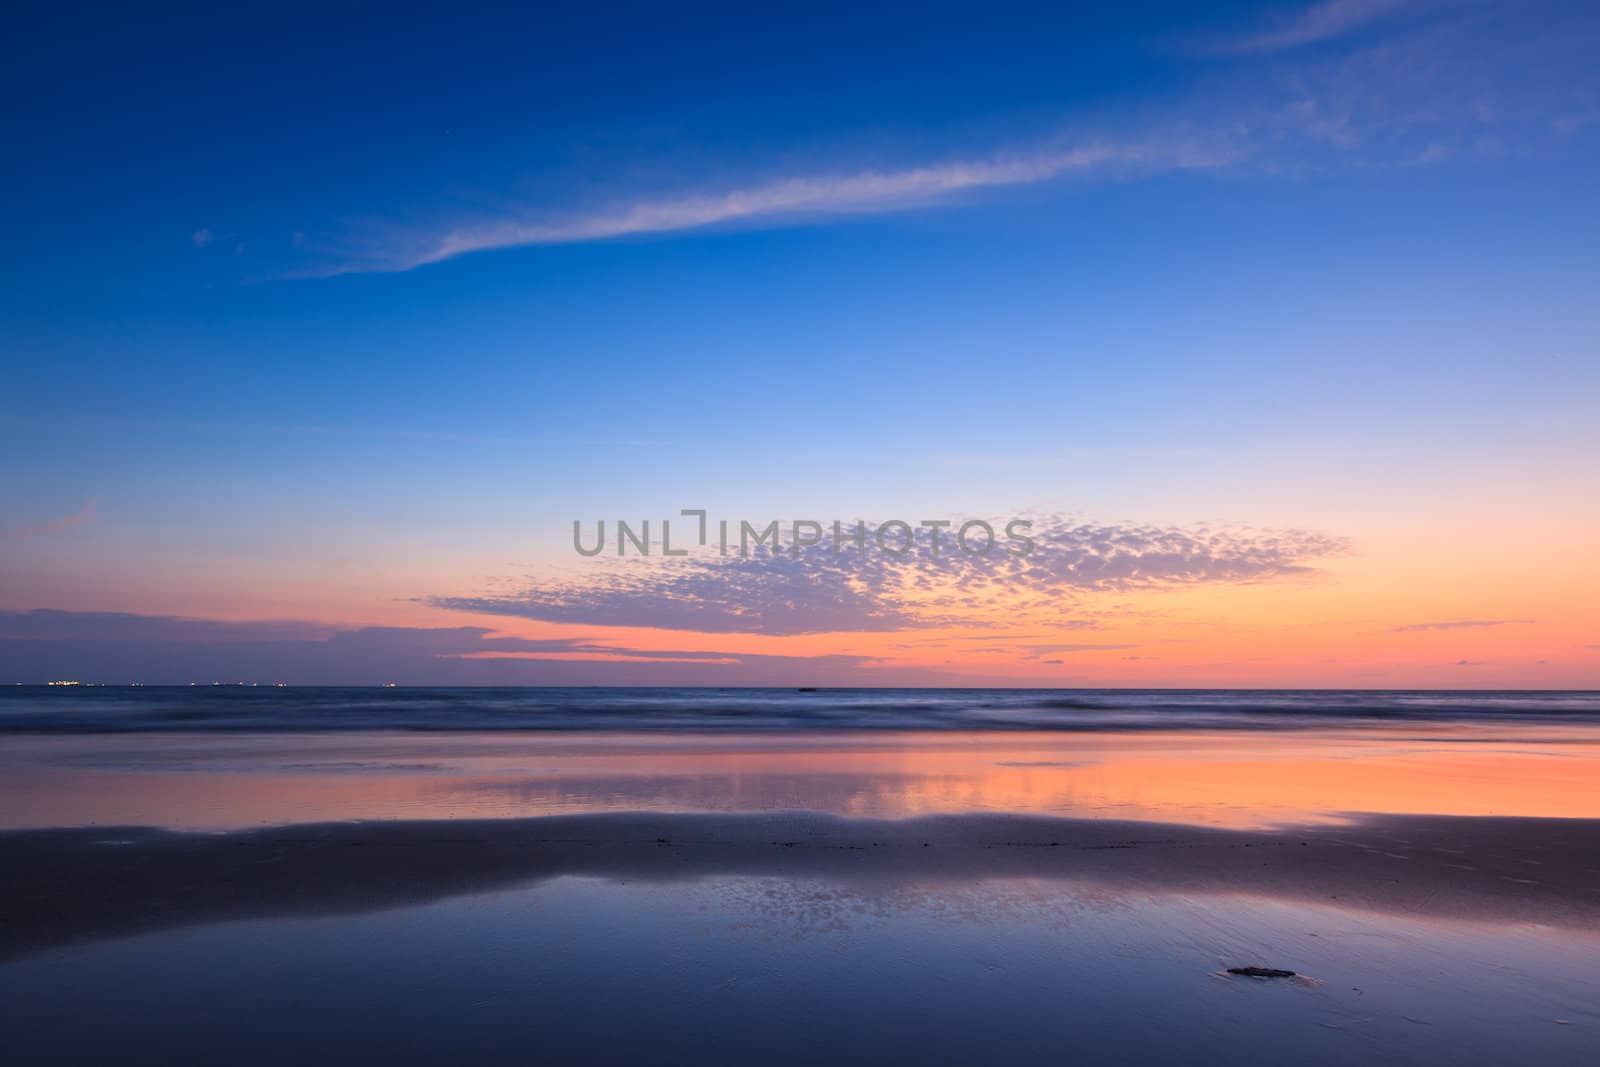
1322	21
1457	624
66	522
805	196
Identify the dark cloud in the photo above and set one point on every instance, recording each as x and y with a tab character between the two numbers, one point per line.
110	626
819	591
43	645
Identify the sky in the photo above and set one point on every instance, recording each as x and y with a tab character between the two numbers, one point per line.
1275	321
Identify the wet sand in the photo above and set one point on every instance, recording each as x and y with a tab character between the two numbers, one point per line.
912	899
1538	871
1248	780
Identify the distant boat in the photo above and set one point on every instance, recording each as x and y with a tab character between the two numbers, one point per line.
807	689
388	685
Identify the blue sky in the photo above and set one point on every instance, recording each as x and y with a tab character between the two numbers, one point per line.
292	289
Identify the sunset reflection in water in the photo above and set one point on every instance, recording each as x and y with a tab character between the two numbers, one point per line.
1239	780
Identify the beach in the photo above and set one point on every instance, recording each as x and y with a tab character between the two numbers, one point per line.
793	896
798	534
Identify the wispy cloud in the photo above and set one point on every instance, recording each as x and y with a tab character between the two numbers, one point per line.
1055	650
66	522
867	191
1426	89
1319	22
1457	624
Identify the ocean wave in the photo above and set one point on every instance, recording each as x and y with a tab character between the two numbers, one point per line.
114	709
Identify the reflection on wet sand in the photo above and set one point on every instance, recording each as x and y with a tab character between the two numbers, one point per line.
1209	778
1081	895
1490	869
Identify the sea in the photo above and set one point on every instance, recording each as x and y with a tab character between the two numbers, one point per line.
247	708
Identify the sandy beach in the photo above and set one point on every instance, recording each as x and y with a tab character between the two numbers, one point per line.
767	534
